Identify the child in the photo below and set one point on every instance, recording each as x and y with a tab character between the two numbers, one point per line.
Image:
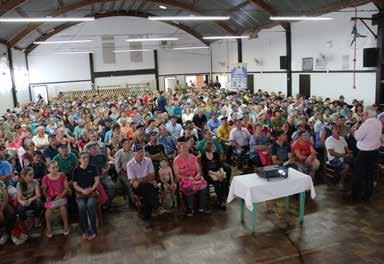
55	189
167	183
28	196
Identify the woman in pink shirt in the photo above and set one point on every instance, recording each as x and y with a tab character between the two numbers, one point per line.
192	184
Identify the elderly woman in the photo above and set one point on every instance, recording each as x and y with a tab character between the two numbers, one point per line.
305	154
213	172
192	184
40	139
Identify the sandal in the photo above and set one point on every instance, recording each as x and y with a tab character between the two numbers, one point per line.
49	235
66	232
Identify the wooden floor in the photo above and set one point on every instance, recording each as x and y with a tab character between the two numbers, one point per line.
333	232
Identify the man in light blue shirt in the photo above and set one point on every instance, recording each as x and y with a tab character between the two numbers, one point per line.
213	123
174	128
167	140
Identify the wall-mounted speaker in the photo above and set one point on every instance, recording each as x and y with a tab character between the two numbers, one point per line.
370	57
283	63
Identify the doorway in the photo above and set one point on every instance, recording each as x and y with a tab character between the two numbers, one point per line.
170	83
305	85
39	90
250	83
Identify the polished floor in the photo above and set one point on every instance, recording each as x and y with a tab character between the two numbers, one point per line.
334	231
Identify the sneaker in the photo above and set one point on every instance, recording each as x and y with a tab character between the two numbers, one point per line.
190	213
92	237
204	211
4	238
66	232
49	235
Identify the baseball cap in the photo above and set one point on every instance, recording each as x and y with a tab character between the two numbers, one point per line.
137	148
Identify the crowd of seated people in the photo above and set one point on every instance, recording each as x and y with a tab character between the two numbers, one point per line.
74	155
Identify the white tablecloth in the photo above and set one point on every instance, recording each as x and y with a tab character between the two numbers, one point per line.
254	189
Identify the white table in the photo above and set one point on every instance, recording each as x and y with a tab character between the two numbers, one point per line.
252	189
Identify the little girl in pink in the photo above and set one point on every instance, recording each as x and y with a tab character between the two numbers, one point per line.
55	188
168	184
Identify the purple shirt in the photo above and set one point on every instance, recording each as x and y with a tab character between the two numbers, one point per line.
138	170
368	135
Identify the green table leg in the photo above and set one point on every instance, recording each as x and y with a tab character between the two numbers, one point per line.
302	206
242	202
287	203
254	218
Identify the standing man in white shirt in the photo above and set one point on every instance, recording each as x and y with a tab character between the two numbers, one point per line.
239	137
368	137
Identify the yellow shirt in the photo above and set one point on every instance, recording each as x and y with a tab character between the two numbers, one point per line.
223	131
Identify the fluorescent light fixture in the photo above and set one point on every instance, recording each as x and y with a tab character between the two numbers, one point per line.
163	7
190	48
226	37
45	19
130	50
182	18
72	52
150	39
298	18
62	41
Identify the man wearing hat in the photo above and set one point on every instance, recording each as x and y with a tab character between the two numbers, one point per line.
154	150
141	173
40	139
51	151
66	160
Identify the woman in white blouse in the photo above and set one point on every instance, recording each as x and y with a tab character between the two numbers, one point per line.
187	114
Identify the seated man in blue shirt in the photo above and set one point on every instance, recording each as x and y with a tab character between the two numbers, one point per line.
213	123
257	142
167	140
173	127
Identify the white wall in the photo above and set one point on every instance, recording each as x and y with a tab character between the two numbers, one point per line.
333	38
55	88
271	82
266	49
224	54
58	68
123	80
46	67
309	39
333	85
6	99
21	76
184	61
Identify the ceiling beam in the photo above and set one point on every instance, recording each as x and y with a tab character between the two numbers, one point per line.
60	28
102	6
178	4
112	6
379	4
10	5
238	7
60	3
319	11
49	34
22	13
265	7
121	7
